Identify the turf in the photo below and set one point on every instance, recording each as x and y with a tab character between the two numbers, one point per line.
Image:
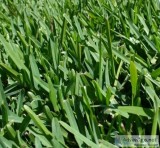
77	73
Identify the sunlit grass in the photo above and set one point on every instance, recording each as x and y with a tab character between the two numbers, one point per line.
77	73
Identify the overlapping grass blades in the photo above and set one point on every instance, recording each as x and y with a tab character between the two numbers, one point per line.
76	73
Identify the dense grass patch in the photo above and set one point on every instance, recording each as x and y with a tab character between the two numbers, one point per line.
75	73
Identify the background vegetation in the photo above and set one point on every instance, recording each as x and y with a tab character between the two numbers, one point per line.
75	73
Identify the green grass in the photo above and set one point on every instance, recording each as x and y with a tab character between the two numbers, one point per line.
77	73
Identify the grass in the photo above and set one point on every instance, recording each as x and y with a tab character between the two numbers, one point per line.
77	73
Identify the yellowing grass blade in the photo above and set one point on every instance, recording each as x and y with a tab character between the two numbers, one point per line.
134	77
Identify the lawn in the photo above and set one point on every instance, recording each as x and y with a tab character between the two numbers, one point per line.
76	73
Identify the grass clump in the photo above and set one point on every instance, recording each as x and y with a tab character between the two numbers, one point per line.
77	73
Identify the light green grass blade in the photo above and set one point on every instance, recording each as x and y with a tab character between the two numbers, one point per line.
78	135
134	78
78	27
140	111
72	120
37	121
